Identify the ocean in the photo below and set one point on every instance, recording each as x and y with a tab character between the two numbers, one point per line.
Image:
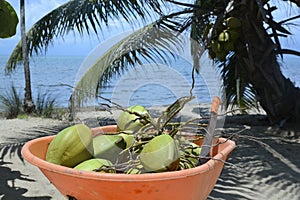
148	85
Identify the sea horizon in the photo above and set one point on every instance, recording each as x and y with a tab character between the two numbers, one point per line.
148	86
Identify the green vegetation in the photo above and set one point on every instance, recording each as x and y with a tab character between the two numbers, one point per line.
44	105
11	103
23	116
244	39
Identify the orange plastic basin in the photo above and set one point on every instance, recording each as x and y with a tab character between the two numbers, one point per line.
191	184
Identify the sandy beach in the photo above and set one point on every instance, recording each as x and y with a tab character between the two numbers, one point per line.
264	165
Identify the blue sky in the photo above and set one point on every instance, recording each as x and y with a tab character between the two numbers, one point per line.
76	45
72	44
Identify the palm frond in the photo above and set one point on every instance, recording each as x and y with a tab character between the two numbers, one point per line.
297	2
239	92
196	18
150	43
82	16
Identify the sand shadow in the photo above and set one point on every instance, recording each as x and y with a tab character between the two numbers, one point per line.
8	190
264	165
12	148
258	172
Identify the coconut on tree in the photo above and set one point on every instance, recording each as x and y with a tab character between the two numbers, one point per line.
242	37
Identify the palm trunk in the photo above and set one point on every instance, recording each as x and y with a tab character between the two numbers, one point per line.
277	94
28	103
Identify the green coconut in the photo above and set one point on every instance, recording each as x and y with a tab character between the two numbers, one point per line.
229	46
234	34
132	122
71	146
215	46
233	23
128	138
160	154
108	146
96	164
224	36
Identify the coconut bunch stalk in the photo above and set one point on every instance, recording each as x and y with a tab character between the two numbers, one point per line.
155	146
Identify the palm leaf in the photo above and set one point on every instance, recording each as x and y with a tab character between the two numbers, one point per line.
83	16
171	111
202	26
150	43
239	92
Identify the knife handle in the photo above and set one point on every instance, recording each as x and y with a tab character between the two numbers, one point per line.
215	105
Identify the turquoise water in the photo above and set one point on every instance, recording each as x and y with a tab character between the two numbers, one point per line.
52	73
47	73
147	85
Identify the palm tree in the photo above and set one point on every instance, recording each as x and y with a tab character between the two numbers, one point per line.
28	104
247	49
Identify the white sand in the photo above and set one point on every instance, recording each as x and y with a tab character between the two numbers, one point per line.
14	171
268	168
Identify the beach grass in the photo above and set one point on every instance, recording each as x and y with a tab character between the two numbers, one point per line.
11	103
11	106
